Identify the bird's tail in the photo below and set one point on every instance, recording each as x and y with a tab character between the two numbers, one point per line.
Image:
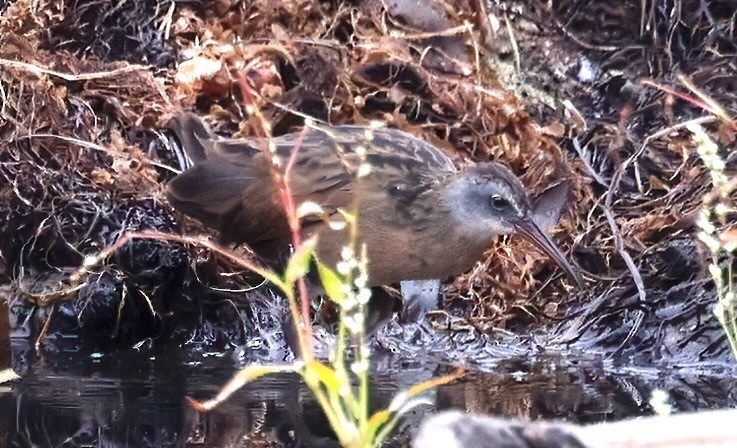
192	134
211	189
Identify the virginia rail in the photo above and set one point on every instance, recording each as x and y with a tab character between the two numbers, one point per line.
419	216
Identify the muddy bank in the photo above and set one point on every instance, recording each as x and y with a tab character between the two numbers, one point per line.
554	93
623	81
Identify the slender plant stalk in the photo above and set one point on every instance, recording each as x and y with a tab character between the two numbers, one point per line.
712	217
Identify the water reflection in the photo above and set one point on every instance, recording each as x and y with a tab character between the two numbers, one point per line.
135	398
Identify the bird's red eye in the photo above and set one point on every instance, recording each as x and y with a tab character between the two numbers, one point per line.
499	202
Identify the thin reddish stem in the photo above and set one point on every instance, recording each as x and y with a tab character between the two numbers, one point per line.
671	91
294	225
261	130
163	236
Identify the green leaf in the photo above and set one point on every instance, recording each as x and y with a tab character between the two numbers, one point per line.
401	398
378	420
380	428
382	421
299	262
246	375
332	283
315	371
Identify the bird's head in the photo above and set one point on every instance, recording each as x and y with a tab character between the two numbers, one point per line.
489	200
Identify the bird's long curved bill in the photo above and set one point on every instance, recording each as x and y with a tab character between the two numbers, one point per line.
532	232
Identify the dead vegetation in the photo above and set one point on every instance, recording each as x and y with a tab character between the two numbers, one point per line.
86	89
636	78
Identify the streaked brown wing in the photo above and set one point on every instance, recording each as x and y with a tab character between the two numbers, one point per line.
402	167
231	186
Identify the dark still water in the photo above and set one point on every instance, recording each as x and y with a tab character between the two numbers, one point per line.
136	397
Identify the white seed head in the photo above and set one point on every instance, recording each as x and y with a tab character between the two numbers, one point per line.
364	170
716	273
711	241
309	208
343	268
713	244
359	367
363	296
719	312
729	297
361	280
346	253
337	225
352	324
704	221
722	210
659	402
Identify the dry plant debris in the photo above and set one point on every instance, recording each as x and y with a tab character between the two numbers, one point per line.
86	88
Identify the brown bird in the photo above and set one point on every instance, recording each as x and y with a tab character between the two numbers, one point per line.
419	216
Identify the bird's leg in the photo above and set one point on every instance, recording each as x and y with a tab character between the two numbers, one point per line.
419	297
384	302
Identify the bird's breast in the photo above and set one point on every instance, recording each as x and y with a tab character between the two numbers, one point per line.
398	254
